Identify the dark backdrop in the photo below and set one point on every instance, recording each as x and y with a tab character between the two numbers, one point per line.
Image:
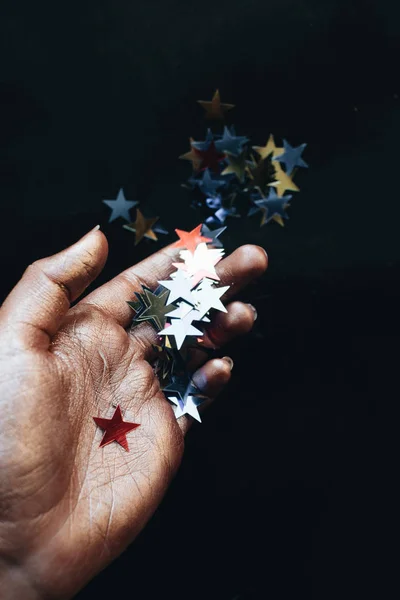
283	492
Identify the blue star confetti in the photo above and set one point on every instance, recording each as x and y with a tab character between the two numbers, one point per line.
291	157
120	207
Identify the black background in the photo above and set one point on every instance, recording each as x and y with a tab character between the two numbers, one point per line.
285	489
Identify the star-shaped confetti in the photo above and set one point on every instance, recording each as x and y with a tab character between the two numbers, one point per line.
207	297
181	311
204	145
291	157
208	184
142	227
120	207
154	308
188	407
222	213
193	157
182	386
115	429
215	110
268	149
230	142
200	264
262	173
237	165
210	158
180	287
272	207
283	181
182	327
213	234
190	240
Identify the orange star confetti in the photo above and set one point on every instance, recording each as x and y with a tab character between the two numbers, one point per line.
214	108
190	240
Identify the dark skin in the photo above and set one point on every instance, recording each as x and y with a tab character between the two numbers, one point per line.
68	508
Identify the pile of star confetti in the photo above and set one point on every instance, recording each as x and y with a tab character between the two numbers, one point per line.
230	178
177	309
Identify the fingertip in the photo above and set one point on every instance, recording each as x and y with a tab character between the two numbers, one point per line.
238	320
97	242
254	257
212	377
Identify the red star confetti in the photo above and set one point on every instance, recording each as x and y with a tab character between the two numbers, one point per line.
210	158
115	429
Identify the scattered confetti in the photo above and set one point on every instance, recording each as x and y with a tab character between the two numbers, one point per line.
233	176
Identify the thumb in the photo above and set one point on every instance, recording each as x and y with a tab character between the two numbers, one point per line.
34	309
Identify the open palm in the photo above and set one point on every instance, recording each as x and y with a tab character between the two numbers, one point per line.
67	508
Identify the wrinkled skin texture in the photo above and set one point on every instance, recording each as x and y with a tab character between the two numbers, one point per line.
67	508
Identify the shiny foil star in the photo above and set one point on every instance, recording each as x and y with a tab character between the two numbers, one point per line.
208	296
283	181
115	429
200	264
237	165
213	234
155	308
182	386
120	207
164	364
180	287
214	108
262	173
190	240
188	407
182	327
181	311
268	149
142	227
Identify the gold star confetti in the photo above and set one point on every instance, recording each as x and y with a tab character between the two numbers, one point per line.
278	219
284	183
142	227
237	165
268	149
215	109
262	173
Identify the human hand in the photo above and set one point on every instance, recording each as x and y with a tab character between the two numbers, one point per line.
67	508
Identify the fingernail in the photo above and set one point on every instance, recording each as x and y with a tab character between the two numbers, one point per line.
229	361
92	231
253	308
